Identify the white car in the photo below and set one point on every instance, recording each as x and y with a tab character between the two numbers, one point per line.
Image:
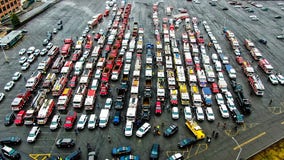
98	74
108	103
22	60
273	79
25	66
55	122
82	121
43	52
49	46
196	60
237	52
31	58
229	96
86	54
37	52
231	105
22	51
254	17
16	76
54	30
209	114
199	114
128	129
176	156
31	50
219	99
187	113
281	36
175	113
9	85
33	134
2	96
220	75
224	111
280	78
92	121
143	130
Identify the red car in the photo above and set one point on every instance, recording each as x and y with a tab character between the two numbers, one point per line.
106	13
197	67
70	120
158	110
108	48
75	57
73	82
97	36
20	118
215	88
239	59
104	89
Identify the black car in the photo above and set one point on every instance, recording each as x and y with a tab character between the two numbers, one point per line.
60	27
186	142
59	22
65	143
118	104
10	140
155	151
10	153
172	129
9	119
49	36
225	9
263	41
74	155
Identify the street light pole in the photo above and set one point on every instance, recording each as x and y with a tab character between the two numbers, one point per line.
239	147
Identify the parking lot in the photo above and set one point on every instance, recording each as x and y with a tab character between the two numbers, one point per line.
261	128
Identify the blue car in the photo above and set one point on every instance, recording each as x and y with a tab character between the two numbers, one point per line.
124	150
129	157
116	118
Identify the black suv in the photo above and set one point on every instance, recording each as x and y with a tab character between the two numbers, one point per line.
237	116
172	129
155	151
65	143
74	155
9	119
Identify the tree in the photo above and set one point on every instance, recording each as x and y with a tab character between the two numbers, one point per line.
15	20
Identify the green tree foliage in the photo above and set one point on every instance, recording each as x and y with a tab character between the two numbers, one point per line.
15	20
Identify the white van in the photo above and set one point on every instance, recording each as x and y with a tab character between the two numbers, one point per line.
218	66
104	117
